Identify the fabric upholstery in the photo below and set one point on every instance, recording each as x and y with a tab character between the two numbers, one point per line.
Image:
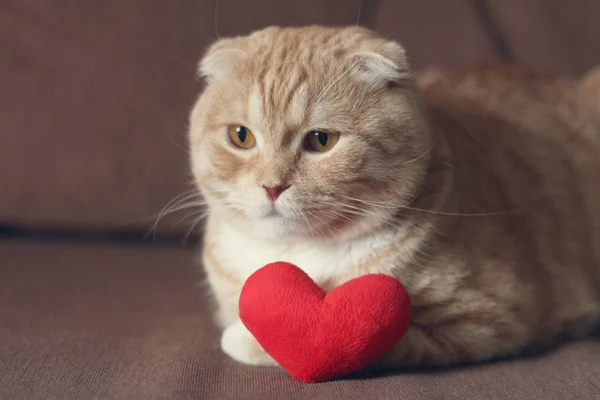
93	109
555	36
83	321
436	33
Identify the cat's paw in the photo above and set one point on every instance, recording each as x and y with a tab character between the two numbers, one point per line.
238	343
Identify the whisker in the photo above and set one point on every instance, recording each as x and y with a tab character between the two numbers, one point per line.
217	19
187	200
345	205
407	207
327	224
298	210
175	202
451	214
310	227
372	203
194	225
421	156
191	215
338	215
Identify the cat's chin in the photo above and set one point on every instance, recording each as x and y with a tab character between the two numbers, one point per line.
280	226
317	224
309	226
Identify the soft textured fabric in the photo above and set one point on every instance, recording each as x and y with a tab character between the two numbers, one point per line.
132	322
316	336
436	33
554	36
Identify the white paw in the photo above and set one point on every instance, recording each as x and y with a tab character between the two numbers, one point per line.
238	343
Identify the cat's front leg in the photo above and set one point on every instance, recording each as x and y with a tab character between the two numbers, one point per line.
238	343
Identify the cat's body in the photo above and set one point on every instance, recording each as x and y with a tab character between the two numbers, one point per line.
482	195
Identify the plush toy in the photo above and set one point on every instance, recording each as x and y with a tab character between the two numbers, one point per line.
317	336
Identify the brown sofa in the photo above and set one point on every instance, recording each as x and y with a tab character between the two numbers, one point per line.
94	99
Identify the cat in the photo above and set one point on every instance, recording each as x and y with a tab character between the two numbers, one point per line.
478	189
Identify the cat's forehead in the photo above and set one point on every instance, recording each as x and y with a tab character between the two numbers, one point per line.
281	104
294	79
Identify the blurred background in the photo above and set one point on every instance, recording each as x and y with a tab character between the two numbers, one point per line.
94	102
94	95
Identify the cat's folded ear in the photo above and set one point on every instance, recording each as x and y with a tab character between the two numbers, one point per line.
221	59
380	63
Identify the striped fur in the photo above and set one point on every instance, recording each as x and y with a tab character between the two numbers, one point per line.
479	189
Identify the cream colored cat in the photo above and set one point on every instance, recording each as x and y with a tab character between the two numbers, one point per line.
479	190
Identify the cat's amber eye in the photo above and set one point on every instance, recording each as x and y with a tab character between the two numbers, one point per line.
241	137
320	141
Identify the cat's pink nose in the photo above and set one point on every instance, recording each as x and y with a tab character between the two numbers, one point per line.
273	192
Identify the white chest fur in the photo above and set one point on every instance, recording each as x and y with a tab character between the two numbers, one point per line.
241	254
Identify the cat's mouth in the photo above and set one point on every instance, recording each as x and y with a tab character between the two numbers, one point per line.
284	219
309	222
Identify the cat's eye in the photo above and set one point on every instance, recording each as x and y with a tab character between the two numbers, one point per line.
241	137
320	141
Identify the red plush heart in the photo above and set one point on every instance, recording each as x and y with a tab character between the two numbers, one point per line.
317	336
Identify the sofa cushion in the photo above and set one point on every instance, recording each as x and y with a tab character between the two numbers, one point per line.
554	36
436	33
81	321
